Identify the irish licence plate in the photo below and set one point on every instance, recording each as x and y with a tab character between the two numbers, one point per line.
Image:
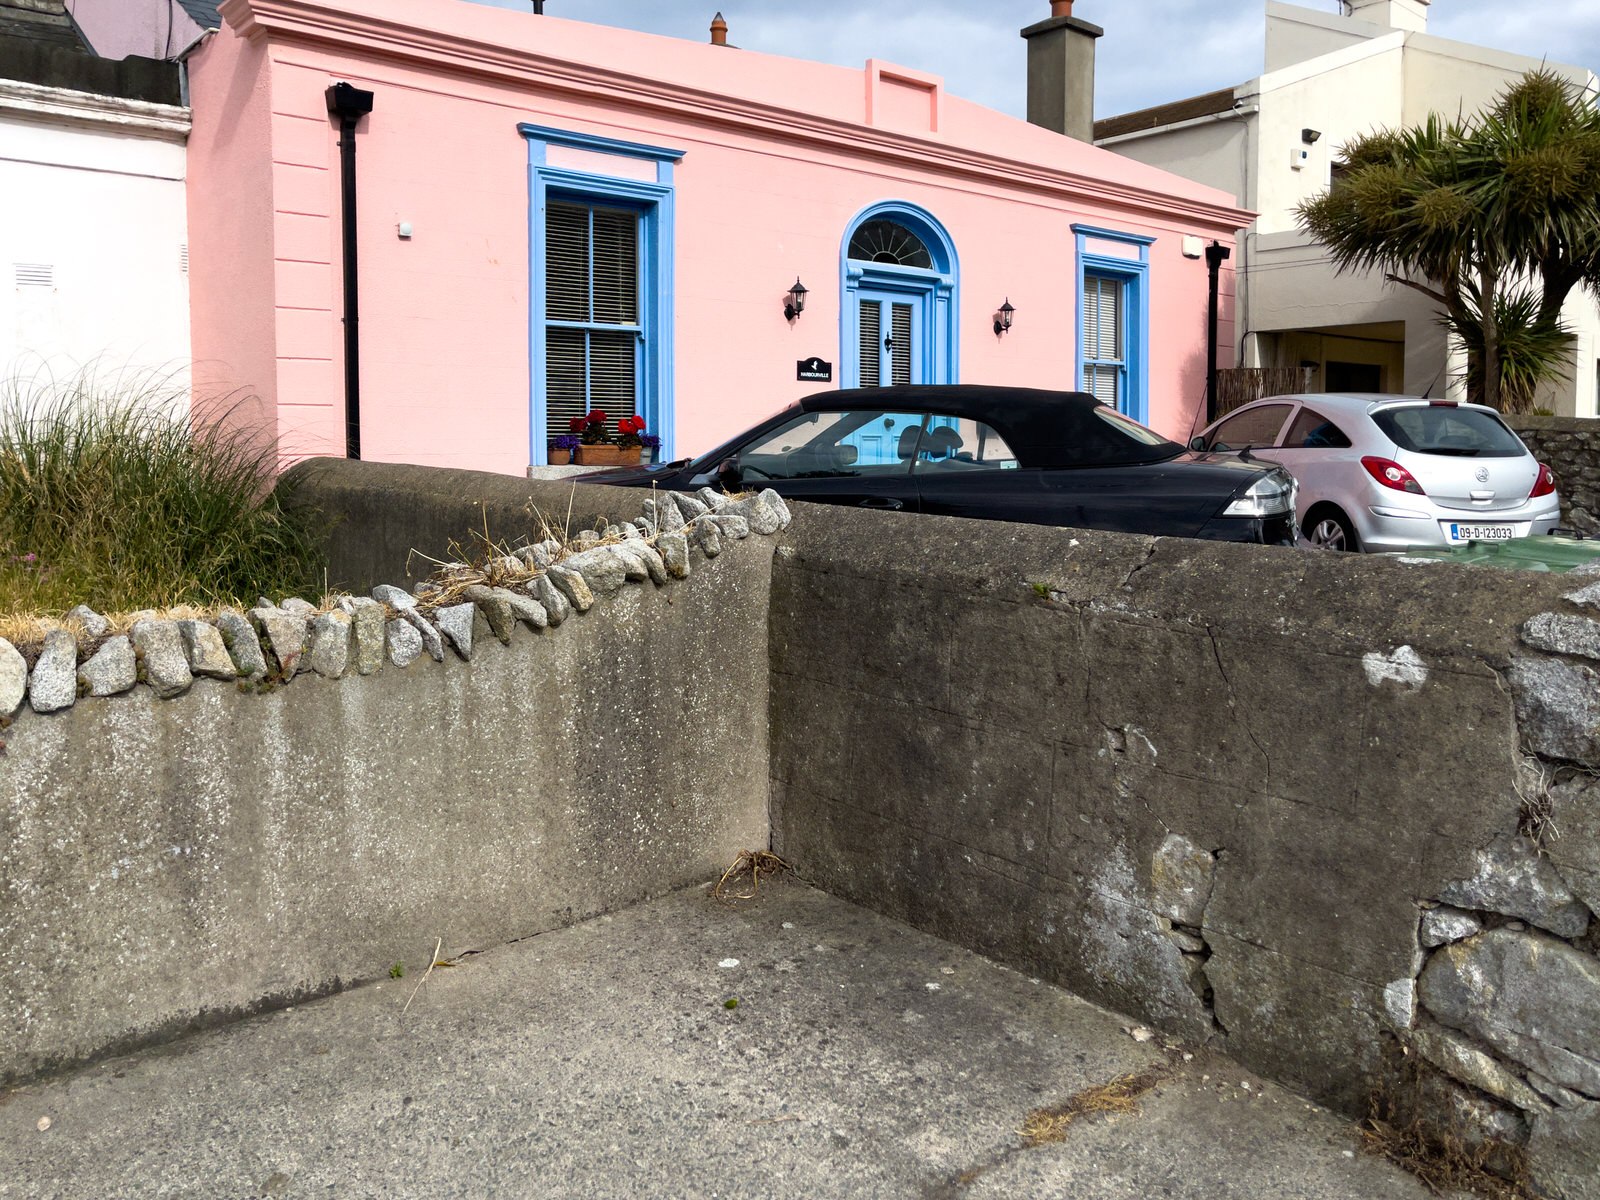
1482	533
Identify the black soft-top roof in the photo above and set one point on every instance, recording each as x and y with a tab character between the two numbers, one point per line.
1043	428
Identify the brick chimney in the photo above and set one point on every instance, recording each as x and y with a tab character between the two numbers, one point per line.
1061	72
719	31
1396	14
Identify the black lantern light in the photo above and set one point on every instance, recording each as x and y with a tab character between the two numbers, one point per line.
796	303
1002	319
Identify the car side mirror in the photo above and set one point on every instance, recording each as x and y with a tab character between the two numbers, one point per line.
1197	443
729	477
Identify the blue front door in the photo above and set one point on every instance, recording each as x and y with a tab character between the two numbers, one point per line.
891	352
891	331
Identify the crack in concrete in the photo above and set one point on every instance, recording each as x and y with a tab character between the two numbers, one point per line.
1216	652
1149	553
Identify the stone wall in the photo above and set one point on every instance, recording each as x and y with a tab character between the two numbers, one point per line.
1271	800
1570	446
277	805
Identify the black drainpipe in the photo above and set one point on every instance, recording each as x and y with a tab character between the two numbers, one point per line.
350	104
1216	255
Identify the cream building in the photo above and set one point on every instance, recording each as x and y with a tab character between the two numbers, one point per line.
1274	142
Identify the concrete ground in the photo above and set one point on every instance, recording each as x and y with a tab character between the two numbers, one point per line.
863	1059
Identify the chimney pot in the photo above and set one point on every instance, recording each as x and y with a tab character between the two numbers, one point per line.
1061	72
719	31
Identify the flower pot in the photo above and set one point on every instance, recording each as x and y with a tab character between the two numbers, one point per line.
598	456
560	458
628	456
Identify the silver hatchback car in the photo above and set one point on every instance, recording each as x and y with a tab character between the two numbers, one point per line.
1386	472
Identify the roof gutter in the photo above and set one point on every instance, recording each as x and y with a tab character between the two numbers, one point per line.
1247	110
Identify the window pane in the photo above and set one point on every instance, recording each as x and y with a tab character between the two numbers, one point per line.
955	444
566	267
1103	383
1253	427
611	375
871	356
889	242
566	395
1102	319
1313	431
616	267
835	445
1461	432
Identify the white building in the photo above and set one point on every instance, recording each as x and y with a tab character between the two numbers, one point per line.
1274	142
93	250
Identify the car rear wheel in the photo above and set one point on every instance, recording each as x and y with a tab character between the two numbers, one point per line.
1329	529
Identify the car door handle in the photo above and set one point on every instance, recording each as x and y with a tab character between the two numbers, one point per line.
881	502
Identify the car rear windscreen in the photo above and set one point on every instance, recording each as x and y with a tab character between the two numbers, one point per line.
1453	432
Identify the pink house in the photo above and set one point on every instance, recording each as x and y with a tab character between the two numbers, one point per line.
553	216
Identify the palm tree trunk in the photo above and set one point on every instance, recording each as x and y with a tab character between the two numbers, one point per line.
1489	283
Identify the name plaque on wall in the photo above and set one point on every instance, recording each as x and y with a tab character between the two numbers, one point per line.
813	370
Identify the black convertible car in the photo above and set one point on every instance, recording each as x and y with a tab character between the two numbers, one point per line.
1009	454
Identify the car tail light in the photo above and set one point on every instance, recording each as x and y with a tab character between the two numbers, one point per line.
1545	484
1392	475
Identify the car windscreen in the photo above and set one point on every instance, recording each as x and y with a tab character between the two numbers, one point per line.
1449	431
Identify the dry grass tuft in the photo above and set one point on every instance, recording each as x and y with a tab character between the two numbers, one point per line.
1444	1160
1119	1096
749	865
110	495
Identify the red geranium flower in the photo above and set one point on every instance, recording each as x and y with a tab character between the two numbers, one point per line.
598	417
577	424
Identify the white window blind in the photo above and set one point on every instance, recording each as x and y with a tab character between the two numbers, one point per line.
900	350
593	334
871	355
1103	339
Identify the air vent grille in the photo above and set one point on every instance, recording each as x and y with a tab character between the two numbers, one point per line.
35	274
183	258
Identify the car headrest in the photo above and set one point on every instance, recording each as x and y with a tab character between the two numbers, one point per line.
942	442
908	441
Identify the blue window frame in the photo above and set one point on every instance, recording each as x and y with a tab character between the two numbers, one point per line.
589	350
1113	343
919	300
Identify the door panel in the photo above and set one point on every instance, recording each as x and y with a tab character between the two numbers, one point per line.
890	345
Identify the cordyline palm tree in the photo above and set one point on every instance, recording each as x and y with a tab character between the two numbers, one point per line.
1494	216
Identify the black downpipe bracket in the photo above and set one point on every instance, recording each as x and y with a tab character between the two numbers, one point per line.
1216	255
350	104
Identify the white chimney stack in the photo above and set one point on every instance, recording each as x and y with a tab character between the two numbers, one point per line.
1396	14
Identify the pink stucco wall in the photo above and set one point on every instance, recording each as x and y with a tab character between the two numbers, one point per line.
763	194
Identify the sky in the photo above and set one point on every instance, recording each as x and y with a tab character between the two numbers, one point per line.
1153	51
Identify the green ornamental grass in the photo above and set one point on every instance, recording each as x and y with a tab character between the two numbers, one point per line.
111	497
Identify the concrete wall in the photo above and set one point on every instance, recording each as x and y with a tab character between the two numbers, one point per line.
1212	786
171	863
98	183
393	523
